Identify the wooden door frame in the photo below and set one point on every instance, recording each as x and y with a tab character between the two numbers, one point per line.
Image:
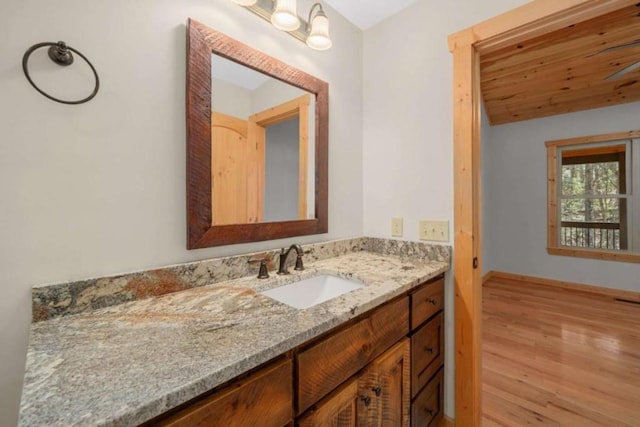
533	19
297	107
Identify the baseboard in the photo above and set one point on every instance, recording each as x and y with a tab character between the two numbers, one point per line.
447	422
581	287
488	276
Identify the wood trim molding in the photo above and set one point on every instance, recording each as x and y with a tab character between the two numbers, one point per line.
280	113
447	422
297	107
594	254
468	293
531	20
552	196
488	276
303	155
632	134
571	286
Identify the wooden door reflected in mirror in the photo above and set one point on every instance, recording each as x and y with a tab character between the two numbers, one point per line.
263	141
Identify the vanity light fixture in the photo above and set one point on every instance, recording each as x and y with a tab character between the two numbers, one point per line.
283	15
318	37
245	2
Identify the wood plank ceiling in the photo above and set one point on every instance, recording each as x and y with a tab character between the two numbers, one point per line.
564	71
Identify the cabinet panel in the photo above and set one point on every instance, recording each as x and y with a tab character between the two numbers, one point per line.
377	397
427	352
338	410
426	410
325	365
264	398
392	369
426	301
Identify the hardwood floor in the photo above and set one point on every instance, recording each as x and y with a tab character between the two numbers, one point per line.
554	357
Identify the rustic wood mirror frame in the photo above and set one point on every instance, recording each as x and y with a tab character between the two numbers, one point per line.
202	41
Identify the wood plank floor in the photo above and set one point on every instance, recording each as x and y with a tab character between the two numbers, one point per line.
554	357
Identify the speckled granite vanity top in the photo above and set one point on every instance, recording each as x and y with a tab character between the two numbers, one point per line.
127	363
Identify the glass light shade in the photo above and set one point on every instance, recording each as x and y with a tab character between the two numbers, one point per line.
245	2
284	15
318	37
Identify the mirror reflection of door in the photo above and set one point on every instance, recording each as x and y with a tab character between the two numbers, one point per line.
237	169
260	165
263	147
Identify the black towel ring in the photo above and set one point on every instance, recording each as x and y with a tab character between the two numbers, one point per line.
59	53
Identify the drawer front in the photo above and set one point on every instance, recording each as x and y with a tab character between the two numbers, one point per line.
426	409
262	399
325	365
426	301
427	352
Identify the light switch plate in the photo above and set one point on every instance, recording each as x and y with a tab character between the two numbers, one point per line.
437	231
396	227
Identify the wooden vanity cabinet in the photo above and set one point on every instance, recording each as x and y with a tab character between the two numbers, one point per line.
264	398
382	369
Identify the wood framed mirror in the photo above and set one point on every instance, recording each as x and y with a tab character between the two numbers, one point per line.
228	196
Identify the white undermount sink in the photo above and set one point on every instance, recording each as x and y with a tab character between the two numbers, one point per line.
314	290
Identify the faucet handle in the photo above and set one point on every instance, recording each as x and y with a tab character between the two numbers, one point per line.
263	273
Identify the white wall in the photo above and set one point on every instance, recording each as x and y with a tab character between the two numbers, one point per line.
515	198
99	188
230	99
408	136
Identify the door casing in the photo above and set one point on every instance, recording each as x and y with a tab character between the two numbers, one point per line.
533	19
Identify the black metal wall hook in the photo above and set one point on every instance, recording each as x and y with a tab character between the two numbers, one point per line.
62	55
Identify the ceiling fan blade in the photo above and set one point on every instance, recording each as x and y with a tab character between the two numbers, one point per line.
620	47
625	70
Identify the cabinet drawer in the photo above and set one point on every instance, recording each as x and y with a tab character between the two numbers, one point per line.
427	352
262	399
426	409
426	301
325	365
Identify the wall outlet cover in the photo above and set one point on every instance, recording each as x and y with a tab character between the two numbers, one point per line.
396	227
437	231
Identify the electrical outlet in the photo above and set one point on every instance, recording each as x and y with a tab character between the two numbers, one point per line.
434	230
396	227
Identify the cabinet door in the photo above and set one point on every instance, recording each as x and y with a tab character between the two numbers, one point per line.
264	398
385	385
337	410
427	352
328	363
426	410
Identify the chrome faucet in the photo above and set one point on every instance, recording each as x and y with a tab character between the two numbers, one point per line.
284	254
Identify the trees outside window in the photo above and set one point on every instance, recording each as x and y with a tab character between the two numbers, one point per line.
593	205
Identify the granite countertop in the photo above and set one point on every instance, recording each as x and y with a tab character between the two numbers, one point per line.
125	364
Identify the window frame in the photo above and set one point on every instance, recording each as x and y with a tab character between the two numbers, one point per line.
554	153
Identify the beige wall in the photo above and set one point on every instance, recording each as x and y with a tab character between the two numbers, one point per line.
99	188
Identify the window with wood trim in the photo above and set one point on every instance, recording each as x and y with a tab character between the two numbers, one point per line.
591	204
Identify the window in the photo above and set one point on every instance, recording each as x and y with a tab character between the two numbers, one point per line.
593	198
591	205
